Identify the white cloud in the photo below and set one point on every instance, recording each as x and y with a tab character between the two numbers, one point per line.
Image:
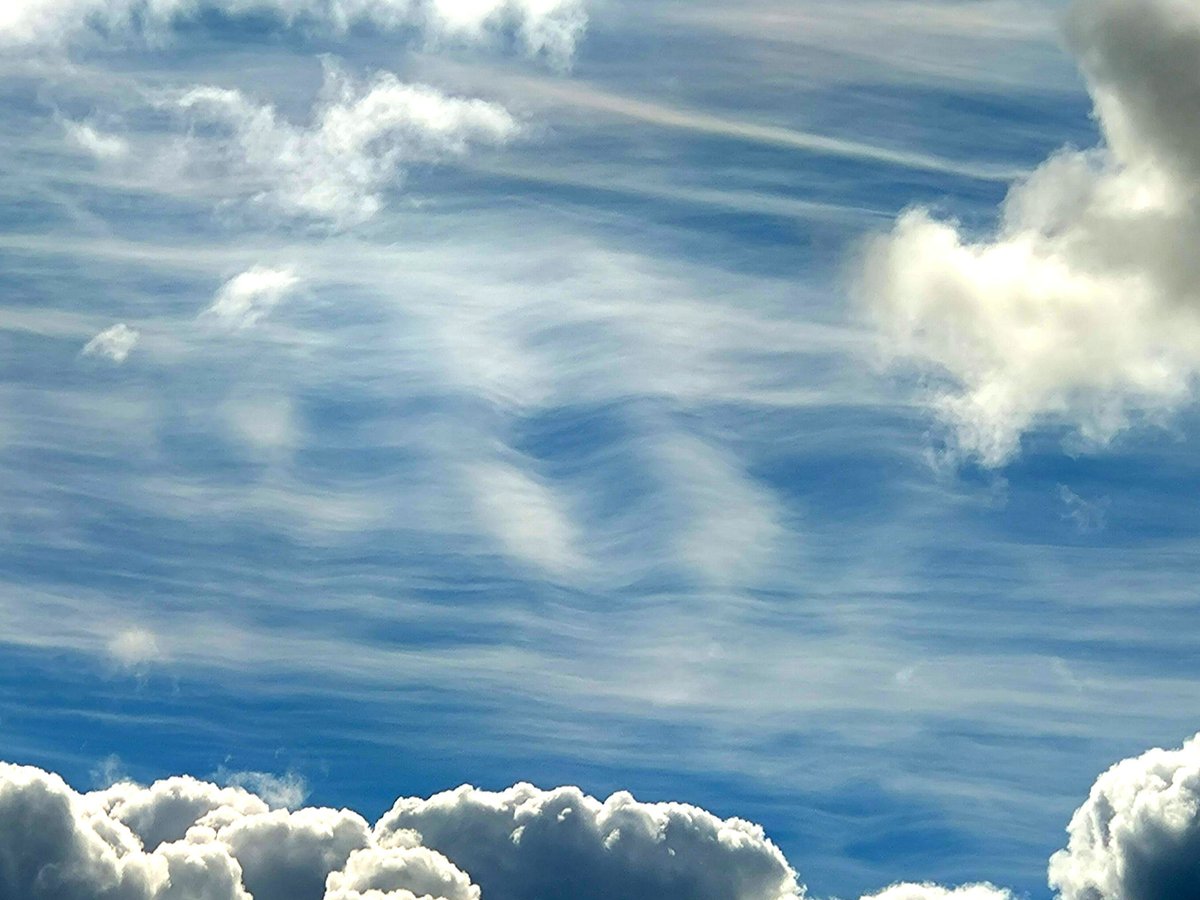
527	516
1088	515
115	343
99	144
1138	835
359	140
182	839
548	28
1082	309
246	298
134	648
524	843
279	791
936	892
263	422
408	873
729	524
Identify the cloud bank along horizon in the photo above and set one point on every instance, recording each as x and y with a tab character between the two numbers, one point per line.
1082	310
1136	837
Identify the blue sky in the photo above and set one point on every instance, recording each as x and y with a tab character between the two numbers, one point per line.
439	401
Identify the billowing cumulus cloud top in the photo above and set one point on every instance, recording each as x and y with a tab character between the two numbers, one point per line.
547	28
1083	308
184	839
1137	837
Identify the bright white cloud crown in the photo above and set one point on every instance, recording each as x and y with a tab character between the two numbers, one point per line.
1084	308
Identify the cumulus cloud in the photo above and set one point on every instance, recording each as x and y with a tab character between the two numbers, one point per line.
1138	835
547	28
524	843
982	891
184	839
113	343
243	300
360	138
1083	308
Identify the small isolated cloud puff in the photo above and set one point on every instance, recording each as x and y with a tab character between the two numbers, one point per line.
1138	835
246	298
1088	515
96	143
359	140
547	28
183	839
134	648
1084	308
113	343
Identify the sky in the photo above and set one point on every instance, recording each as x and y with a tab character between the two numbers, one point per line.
537	449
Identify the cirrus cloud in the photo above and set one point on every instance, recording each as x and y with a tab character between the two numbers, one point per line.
335	168
548	28
115	343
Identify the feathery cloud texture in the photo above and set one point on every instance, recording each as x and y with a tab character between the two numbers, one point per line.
115	343
1083	309
360	138
246	298
549	28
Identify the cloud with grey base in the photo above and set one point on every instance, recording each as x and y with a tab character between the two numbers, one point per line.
1136	837
184	839
1081	310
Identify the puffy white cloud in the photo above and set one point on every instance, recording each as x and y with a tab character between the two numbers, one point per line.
937	892
289	855
114	343
1138	835
407	873
184	839
1083	309
549	28
246	298
165	811
525	843
359	140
